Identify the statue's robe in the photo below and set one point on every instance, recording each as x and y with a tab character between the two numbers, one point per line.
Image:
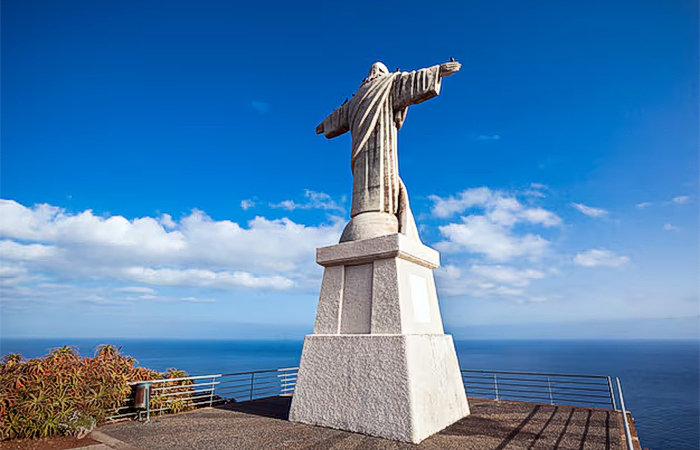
373	116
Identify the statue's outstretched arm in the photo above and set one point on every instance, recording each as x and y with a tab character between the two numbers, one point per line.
336	123
449	68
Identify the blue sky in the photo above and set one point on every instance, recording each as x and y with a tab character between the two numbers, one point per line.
160	174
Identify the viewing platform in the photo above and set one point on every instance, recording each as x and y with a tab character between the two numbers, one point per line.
250	410
263	424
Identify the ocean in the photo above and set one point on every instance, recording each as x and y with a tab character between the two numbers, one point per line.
660	379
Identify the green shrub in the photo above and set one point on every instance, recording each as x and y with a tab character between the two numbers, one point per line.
62	392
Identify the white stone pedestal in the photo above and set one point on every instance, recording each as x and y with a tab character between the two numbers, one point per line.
378	361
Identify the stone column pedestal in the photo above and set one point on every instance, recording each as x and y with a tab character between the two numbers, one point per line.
378	361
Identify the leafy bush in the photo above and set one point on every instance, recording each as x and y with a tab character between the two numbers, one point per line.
64	393
172	396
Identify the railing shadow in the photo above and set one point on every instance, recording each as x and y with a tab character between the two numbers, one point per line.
272	407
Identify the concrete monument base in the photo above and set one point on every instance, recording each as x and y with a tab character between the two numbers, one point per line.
400	387
379	362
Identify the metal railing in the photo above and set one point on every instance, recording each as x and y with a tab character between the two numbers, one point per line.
595	391
246	386
552	388
184	394
625	421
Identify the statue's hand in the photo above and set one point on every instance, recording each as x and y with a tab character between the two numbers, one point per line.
449	68
319	128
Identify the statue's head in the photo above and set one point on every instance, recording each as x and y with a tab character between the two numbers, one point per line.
378	69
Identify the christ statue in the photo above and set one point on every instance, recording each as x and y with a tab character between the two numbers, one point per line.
373	117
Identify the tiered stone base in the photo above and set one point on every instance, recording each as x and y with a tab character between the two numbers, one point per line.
403	387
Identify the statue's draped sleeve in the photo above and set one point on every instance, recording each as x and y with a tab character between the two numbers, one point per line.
411	88
337	122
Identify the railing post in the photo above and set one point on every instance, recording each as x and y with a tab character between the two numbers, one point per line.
211	395
628	435
612	395
148	403
495	384
549	386
252	381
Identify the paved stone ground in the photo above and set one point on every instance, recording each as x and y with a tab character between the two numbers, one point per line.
262	424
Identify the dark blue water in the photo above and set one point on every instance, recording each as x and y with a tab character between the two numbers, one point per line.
660	379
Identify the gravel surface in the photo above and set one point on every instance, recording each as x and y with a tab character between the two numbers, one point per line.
262	424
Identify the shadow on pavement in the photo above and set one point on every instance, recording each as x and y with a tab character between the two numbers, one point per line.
273	407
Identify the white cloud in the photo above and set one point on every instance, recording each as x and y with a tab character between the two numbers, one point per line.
534	193
492	233
643	205
196	251
671	227
196	300
492	281
136	290
314	200
167	221
508	275
205	278
536	190
599	257
446	207
478	234
500	206
247	204
681	199
14	251
589	210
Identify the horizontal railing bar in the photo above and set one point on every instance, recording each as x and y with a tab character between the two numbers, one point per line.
559	389
267	383
241	389
534	380
249	372
259	391
184	394
247	379
560	395
184	386
524	394
557	401
171	400
534	373
166	380
165	408
207	396
236	391
545	386
534	383
264	373
236	382
244	394
119	416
